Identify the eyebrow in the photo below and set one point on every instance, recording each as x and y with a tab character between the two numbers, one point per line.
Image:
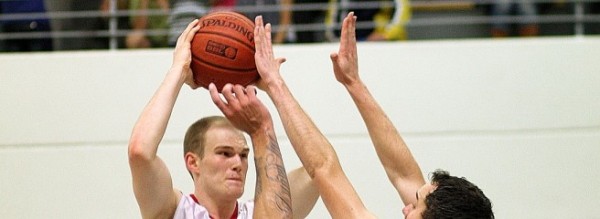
244	150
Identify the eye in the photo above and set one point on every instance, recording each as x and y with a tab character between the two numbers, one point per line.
225	153
244	155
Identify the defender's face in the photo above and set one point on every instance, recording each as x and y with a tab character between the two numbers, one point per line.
225	163
415	210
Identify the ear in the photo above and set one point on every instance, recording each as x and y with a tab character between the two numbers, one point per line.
192	163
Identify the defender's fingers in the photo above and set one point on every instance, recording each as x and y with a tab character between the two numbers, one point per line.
281	60
268	32
258	21
353	26
258	33
334	57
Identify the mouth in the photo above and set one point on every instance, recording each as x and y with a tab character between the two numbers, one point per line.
235	182
235	179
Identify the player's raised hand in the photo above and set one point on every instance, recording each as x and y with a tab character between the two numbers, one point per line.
182	55
266	63
345	61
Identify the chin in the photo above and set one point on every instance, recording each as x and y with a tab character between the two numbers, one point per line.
236	190
237	193
240	194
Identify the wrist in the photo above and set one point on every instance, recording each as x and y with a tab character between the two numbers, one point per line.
275	87
260	139
177	71
262	132
355	86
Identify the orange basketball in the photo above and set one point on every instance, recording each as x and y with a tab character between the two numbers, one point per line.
223	50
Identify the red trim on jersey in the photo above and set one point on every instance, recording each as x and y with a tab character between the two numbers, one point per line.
195	199
235	211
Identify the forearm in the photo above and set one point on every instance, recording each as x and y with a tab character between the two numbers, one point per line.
313	149
272	195
152	123
318	157
303	191
389	145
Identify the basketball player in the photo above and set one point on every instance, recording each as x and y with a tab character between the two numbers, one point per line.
445	197
216	156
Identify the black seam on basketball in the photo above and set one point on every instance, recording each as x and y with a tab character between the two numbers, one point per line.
223	67
233	14
229	37
245	19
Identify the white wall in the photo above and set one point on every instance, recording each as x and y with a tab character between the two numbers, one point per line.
520	118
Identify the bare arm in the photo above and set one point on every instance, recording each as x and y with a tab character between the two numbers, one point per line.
304	192
152	183
400	166
270	183
314	150
245	111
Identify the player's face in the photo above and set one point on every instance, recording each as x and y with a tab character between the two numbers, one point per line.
415	210
225	162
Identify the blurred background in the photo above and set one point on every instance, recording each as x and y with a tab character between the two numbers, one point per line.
55	25
502	92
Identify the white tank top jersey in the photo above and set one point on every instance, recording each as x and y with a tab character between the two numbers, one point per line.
188	208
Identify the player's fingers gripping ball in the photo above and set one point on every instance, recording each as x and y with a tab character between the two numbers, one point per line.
223	50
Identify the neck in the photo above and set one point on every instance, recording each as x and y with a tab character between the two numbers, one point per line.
217	207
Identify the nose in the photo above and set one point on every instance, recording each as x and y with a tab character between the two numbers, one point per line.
237	163
407	209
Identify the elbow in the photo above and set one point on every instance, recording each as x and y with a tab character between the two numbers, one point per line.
136	151
324	168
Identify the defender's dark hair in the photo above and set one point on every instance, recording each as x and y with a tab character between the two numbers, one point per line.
456	197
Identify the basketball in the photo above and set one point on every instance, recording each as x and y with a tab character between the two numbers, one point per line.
223	50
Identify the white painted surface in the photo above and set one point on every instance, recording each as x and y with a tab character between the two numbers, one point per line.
520	118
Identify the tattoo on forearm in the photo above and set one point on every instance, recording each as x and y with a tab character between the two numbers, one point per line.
272	166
